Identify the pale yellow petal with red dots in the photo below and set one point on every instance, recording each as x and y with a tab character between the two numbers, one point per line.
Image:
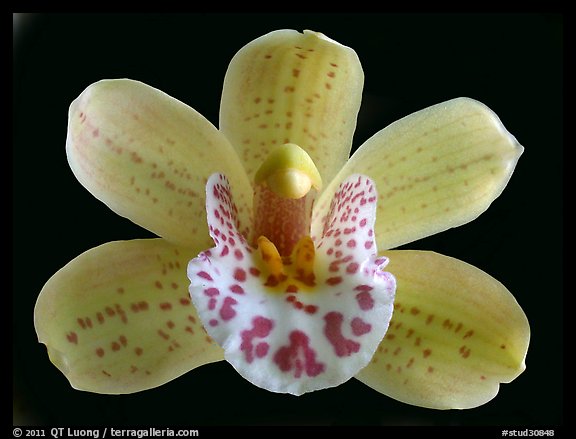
455	335
435	169
118	318
148	157
292	87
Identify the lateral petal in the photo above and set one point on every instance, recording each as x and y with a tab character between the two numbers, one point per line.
148	156
438	168
455	335
118	318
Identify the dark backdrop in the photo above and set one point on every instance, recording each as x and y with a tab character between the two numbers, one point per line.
511	62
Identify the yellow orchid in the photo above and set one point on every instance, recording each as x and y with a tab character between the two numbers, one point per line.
293	294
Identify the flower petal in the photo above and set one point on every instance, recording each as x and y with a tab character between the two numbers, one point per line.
435	169
291	87
118	318
300	325
148	156
455	335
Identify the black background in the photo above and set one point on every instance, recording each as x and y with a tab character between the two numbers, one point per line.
511	62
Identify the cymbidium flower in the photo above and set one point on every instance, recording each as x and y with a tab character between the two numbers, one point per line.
293	294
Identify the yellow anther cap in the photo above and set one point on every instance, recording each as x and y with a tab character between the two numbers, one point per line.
289	172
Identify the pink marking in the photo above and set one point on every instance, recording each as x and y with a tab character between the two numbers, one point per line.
291	289
363	222
334	280
360	327
262	349
205	275
225	251
211	292
351	243
227	312
212	303
352	268
238	254
261	328
365	299
237	289
298	356
239	275
343	347
311	309
213	322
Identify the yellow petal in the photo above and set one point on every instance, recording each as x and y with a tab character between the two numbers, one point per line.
455	335
118	318
148	157
291	87
435	169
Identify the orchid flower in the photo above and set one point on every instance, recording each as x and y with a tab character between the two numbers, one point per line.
274	243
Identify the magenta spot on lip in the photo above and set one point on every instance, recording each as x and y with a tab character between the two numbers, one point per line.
204	275
261	328
262	349
360	327
239	275
237	289
343	347
298	355
365	300
227	312
211	292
